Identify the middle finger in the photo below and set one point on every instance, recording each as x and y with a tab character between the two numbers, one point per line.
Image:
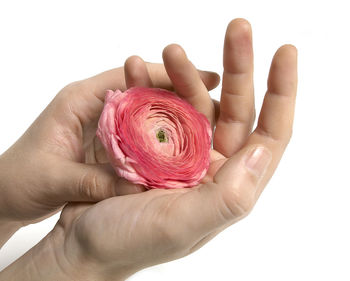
237	111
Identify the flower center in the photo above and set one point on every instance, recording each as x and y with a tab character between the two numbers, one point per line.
161	136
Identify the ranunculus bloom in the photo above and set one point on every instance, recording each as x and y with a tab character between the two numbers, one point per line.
154	138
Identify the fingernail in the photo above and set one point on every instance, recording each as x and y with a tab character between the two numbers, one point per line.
258	160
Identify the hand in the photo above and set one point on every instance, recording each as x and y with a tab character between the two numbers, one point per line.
59	159
116	237
119	236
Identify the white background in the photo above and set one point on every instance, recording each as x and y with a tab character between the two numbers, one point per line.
299	230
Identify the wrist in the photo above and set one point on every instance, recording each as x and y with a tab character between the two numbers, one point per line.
39	263
53	259
46	261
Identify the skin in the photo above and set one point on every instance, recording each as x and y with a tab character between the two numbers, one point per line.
59	159
119	236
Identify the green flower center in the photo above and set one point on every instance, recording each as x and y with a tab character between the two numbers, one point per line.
161	136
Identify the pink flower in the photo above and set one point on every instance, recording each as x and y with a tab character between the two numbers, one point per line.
154	138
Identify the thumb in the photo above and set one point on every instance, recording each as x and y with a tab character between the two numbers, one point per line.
240	177
231	195
92	182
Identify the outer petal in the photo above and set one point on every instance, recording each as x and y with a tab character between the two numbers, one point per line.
128	129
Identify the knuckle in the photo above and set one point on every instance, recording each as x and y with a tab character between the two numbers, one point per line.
91	187
282	137
238	203
88	185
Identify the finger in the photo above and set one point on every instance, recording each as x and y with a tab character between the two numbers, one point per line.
85	98
237	97
239	182
91	183
114	79
229	197
236	186
186	80
136	73
210	79
275	122
277	113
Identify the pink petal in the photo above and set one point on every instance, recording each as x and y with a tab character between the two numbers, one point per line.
128	129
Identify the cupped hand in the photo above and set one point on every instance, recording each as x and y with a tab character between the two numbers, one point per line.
116	237
59	159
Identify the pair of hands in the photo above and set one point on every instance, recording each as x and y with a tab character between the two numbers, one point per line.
60	160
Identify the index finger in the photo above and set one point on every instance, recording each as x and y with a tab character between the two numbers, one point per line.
237	96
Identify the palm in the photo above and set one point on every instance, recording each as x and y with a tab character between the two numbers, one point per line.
138	214
151	221
148	224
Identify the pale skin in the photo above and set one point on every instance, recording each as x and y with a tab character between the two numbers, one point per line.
118	236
